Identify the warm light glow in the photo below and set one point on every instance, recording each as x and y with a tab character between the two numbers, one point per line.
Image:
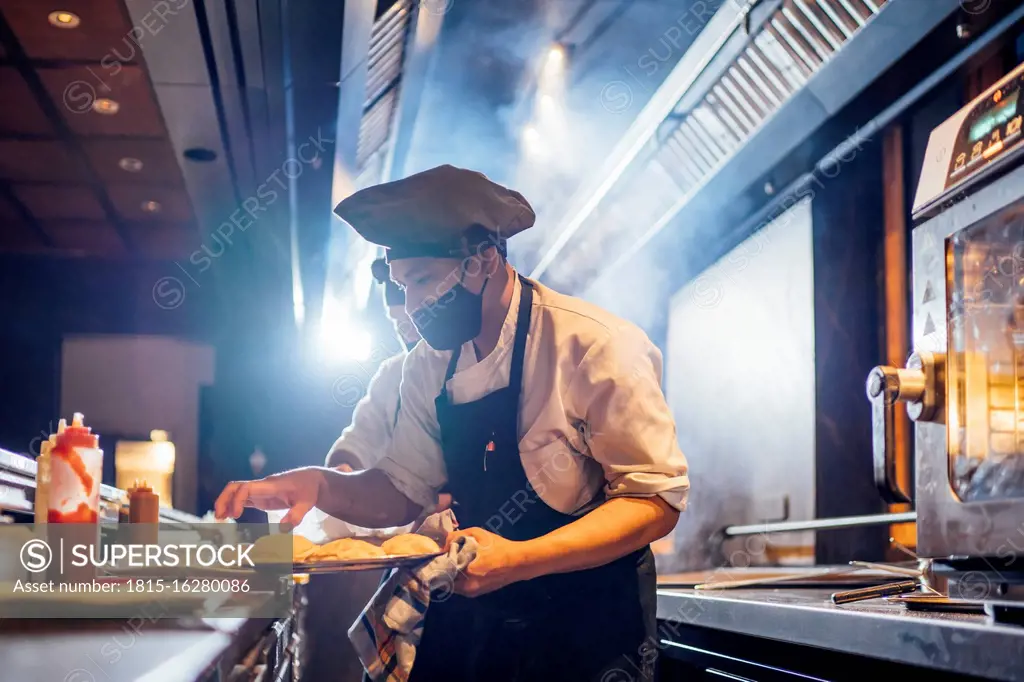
64	19
552	76
151	206
547	107
103	105
153	462
550	119
158	435
130	164
556	57
163	457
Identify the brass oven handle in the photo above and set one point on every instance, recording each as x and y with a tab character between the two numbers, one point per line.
919	387
883	389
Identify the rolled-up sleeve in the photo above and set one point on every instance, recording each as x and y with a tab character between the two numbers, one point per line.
628	428
414	461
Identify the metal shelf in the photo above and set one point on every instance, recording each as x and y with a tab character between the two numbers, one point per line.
18	484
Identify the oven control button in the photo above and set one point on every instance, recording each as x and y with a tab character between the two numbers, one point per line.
1013	126
978	149
995	145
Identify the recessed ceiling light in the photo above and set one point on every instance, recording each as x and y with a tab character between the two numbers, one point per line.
105	106
64	19
151	206
130	164
200	154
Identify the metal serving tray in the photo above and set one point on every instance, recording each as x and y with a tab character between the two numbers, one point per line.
377	563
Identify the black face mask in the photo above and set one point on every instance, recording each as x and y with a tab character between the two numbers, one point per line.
453	320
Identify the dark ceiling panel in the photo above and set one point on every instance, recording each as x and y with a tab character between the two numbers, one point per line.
164	241
19	112
16	236
37	160
74	89
129	199
96	238
8	213
83	191
103	32
50	202
159	165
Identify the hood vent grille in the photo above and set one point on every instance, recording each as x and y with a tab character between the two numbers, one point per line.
384	72
790	48
693	143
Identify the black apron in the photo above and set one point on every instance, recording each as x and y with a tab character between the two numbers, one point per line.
596	624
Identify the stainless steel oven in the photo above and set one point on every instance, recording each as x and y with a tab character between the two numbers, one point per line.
964	384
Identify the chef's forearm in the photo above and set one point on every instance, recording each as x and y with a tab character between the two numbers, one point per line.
365	498
616	528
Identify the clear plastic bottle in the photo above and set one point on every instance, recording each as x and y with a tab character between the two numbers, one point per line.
42	498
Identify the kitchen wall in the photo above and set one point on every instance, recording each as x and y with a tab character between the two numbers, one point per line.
849	340
740	378
46	299
130	385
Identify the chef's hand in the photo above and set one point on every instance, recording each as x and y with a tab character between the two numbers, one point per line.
296	490
494	567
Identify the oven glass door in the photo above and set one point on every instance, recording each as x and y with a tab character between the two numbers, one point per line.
985	372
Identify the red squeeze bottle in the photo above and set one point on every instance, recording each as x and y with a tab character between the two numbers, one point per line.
72	479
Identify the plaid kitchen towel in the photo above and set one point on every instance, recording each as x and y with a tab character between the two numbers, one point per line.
387	632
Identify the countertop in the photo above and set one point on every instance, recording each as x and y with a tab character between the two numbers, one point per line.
959	643
116	651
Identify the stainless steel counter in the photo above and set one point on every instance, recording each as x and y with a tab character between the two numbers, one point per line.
957	643
89	655
158	650
93	651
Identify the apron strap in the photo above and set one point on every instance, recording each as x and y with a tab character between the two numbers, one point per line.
518	349
450	372
515	376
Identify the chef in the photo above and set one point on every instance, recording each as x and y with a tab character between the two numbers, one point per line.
545	418
366	439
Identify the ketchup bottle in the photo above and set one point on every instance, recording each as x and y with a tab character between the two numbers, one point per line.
76	470
73	504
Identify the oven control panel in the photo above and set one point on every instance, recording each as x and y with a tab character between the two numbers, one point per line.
982	135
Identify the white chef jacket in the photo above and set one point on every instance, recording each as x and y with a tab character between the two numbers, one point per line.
593	419
367	438
373	420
